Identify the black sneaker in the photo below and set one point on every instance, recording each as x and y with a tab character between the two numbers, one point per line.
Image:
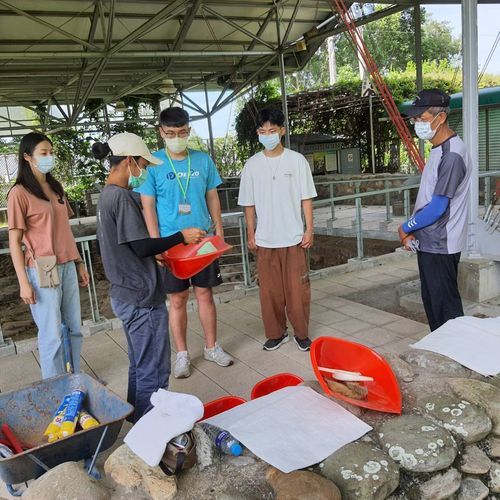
302	344
273	344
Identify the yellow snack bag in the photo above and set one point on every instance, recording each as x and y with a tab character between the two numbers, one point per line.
86	420
71	416
55	424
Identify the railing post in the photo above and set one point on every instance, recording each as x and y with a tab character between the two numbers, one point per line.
94	303
227	199
387	202
406	201
244	251
359	229
332	203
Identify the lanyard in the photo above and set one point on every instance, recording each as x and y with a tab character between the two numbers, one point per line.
183	190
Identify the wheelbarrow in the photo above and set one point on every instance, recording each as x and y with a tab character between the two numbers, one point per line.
28	411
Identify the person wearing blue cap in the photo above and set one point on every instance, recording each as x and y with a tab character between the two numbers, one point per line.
439	220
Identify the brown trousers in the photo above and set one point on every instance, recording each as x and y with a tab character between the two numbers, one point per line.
284	290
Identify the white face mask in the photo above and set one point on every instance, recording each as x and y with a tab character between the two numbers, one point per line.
424	130
177	144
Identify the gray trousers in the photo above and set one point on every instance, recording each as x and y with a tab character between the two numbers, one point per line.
146	329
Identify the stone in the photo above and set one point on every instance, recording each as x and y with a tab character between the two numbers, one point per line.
494	478
472	489
474	461
485	395
204	448
441	486
435	363
128	470
403	370
493	447
464	420
417	444
67	480
362	470
301	485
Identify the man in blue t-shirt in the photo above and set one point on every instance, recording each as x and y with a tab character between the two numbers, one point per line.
182	193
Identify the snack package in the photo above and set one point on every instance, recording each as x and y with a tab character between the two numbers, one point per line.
86	420
55	425
70	419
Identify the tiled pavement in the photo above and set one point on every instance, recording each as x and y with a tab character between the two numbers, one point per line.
241	333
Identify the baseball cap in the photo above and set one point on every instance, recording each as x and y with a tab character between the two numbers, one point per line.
128	144
426	99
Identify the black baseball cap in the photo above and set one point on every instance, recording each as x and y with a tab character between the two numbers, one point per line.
426	99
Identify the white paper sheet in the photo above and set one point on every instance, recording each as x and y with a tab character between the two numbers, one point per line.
292	428
473	342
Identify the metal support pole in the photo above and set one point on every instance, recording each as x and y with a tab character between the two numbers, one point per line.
94	303
406	203
332	203
487	192
244	252
470	110
387	202
418	61
359	228
281	61
372	139
209	120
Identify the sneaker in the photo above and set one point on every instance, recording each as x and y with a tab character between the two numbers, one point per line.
218	355
302	344
273	344
182	368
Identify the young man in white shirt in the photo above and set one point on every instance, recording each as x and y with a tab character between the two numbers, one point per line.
277	185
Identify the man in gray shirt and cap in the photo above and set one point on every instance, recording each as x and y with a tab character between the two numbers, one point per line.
439	220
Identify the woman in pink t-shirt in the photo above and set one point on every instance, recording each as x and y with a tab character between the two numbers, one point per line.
38	218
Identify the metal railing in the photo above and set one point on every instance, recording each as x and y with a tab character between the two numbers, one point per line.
355	216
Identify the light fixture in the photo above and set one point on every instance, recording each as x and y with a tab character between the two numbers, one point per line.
167	87
120	107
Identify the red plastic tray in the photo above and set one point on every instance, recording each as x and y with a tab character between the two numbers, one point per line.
183	261
220	405
274	383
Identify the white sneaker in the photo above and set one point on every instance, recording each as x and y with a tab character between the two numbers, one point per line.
218	355
182	368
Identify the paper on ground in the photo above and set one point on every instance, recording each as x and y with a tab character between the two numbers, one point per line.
292	428
473	342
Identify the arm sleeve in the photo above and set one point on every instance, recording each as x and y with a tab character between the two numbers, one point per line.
213	177
307	187
246	195
16	210
153	246
428	215
451	173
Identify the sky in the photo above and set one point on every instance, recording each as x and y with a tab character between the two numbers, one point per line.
488	28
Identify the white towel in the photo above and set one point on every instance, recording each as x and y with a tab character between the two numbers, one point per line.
172	414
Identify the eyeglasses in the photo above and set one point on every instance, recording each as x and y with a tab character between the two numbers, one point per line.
182	134
415	120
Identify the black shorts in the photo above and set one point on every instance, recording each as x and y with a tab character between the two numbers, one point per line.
208	278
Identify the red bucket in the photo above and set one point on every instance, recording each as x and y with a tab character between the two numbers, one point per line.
274	383
220	405
183	261
332	352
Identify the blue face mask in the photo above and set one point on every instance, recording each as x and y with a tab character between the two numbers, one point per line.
424	130
45	163
269	141
137	181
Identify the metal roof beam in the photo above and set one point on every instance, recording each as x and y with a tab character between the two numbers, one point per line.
291	22
237	27
47	25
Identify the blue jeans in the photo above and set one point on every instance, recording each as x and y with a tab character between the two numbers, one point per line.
146	329
57	314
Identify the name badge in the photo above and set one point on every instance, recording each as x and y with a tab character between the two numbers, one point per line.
184	208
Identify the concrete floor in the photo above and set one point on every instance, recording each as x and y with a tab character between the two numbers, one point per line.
240	332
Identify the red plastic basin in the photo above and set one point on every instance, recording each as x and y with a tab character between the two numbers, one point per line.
220	405
274	383
183	261
331	352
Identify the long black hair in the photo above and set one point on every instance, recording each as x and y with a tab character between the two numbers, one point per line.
26	177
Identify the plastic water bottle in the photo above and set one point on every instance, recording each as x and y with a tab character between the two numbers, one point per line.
223	440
